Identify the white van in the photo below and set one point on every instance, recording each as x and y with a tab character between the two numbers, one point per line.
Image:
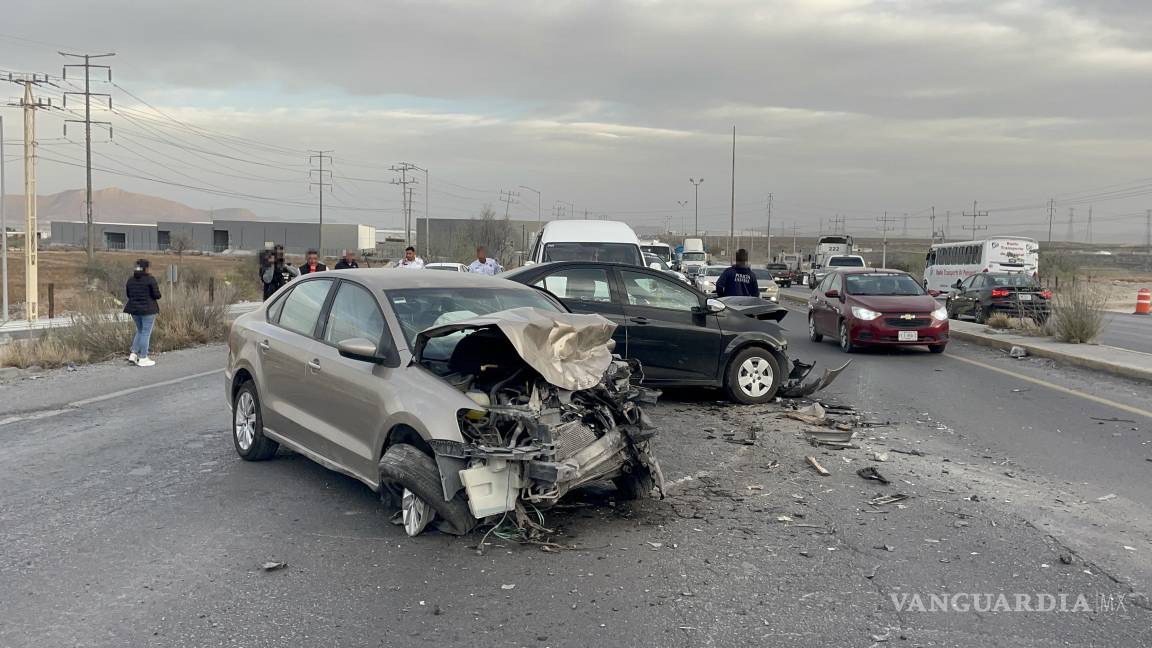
587	240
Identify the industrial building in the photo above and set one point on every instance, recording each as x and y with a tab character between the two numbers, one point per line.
218	236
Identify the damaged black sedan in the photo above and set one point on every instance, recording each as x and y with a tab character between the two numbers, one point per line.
679	335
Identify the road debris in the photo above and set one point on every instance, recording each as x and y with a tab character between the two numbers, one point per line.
508	586
871	473
1111	420
887	499
1107	497
827	437
1018	352
913	451
814	414
816	465
272	565
878	456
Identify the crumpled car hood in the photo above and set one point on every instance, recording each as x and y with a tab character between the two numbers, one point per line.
755	307
569	350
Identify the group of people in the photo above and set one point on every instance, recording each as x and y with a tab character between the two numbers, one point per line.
275	270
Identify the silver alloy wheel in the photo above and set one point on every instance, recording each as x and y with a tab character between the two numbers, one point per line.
244	421
415	512
811	326
844	341
756	377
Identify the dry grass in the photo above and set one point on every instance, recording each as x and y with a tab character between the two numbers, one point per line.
1078	314
999	321
187	318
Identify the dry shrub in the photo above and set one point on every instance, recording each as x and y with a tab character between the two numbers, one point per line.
999	321
1078	314
187	318
244	279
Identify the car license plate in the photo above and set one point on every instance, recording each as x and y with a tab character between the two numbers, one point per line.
907	336
1025	297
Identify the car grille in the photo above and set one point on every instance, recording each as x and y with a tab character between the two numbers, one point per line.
570	438
915	322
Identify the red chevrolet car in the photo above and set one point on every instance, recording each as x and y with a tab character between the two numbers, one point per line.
864	306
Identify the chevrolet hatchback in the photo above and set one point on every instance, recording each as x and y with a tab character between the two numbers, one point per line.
864	307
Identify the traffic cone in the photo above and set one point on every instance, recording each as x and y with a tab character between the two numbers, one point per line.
1143	301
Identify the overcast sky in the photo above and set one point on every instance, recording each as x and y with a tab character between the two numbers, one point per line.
848	107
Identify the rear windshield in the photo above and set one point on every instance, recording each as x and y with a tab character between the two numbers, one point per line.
1014	280
763	274
846	262
714	271
610	252
439	267
777	266
881	284
421	308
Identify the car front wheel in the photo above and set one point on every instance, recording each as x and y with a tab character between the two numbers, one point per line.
846	344
813	334
979	314
753	376
422	497
248	426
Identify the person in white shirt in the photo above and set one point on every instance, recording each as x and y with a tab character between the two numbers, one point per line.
410	260
483	264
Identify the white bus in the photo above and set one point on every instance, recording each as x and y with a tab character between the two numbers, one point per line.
947	263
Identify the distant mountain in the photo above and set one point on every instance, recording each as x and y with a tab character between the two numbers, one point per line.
113	205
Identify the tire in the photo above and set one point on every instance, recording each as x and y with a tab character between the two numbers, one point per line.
812	333
979	314
248	426
937	348
846	344
747	378
405	466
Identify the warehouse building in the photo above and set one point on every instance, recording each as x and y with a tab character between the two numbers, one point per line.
218	236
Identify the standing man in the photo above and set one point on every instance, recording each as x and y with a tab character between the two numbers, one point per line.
312	264
411	261
484	265
738	280
275	271
348	262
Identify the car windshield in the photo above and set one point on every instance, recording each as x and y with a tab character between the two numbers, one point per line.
660	251
442	267
846	262
611	252
762	274
714	271
649	259
896	285
1014	280
777	266
692	256
421	308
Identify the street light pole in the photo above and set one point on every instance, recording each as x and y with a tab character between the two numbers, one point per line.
696	184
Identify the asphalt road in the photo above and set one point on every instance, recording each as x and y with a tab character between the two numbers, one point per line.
126	519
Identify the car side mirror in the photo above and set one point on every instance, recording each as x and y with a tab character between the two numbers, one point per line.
832	294
366	350
711	307
958	285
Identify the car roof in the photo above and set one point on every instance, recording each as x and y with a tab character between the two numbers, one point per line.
588	231
444	263
396	278
854	270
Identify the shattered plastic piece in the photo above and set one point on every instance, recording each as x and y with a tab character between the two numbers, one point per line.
793	387
823	436
816	465
783	518
871	473
273	565
1107	497
508	586
655	545
887	499
1018	352
814	414
879	456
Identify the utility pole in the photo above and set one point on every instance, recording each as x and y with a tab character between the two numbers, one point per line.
769	227
31	262
732	209
975	214
696	184
539	208
3	229
1089	223
87	94
510	197
1051	217
884	223
947	226
795	232
1071	224
838	226
1148	239
932	220
403	168
321	181
683	224
904	231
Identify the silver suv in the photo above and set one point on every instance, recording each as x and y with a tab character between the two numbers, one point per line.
458	397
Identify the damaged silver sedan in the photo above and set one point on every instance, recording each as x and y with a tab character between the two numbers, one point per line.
458	397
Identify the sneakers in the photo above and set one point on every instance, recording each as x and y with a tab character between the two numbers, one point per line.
145	362
132	357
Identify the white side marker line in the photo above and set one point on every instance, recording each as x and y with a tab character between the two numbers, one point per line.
133	390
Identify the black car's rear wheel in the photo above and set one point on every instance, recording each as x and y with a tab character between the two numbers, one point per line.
753	376
979	314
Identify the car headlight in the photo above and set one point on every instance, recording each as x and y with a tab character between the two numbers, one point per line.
864	314
940	314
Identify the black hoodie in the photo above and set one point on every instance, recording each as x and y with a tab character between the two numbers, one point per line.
142	293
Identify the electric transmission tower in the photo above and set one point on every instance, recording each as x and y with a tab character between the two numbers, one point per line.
403	168
974	215
87	66
884	225
510	198
1071	225
322	180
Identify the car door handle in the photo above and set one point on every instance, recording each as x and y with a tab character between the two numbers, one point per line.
638	320
264	346
314	365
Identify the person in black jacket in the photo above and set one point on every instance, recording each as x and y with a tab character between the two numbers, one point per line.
312	264
275	271
348	262
738	280
142	293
